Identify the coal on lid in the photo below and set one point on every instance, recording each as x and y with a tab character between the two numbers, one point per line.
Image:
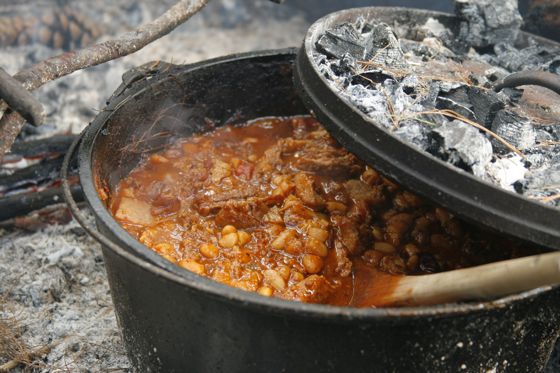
435	93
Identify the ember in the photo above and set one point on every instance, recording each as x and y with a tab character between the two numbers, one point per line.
435	92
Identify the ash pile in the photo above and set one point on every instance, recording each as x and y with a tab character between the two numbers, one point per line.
432	88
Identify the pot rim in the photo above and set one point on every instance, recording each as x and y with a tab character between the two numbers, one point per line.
157	265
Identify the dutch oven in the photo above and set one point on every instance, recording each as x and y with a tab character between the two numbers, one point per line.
173	320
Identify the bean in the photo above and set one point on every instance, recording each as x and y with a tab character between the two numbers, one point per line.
312	263
244	237
209	250
297	276
318	234
274	279
229	240
283	271
334	207
384	247
378	233
282	240
316	247
411	249
412	262
228	229
265	290
193	266
164	248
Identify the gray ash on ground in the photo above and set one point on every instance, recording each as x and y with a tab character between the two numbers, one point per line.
54	284
429	91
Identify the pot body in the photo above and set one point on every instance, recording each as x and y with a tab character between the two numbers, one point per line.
167	327
175	321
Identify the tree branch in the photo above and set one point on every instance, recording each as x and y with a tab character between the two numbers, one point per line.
66	63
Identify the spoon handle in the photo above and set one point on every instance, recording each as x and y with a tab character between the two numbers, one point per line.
482	282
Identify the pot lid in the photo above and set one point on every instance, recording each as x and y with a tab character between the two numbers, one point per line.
389	148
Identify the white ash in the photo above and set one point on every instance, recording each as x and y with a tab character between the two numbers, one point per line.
457	139
395	90
506	171
53	281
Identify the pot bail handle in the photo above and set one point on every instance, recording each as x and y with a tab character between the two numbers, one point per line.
540	78
71	202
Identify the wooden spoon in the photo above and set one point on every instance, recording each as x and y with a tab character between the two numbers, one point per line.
482	282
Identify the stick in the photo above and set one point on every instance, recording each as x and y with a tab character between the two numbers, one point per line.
66	63
21	100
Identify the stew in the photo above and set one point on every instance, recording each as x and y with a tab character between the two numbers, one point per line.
277	207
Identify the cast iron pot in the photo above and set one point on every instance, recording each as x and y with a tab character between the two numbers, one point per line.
175	321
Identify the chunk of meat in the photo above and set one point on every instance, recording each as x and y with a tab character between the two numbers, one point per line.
396	226
241	214
360	191
347	233
315	289
134	211
319	153
219	171
305	190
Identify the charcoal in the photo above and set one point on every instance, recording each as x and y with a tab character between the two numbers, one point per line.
462	108
488	22
342	40
376	43
463	146
505	171
457	100
533	57
386	49
515	129
485	105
